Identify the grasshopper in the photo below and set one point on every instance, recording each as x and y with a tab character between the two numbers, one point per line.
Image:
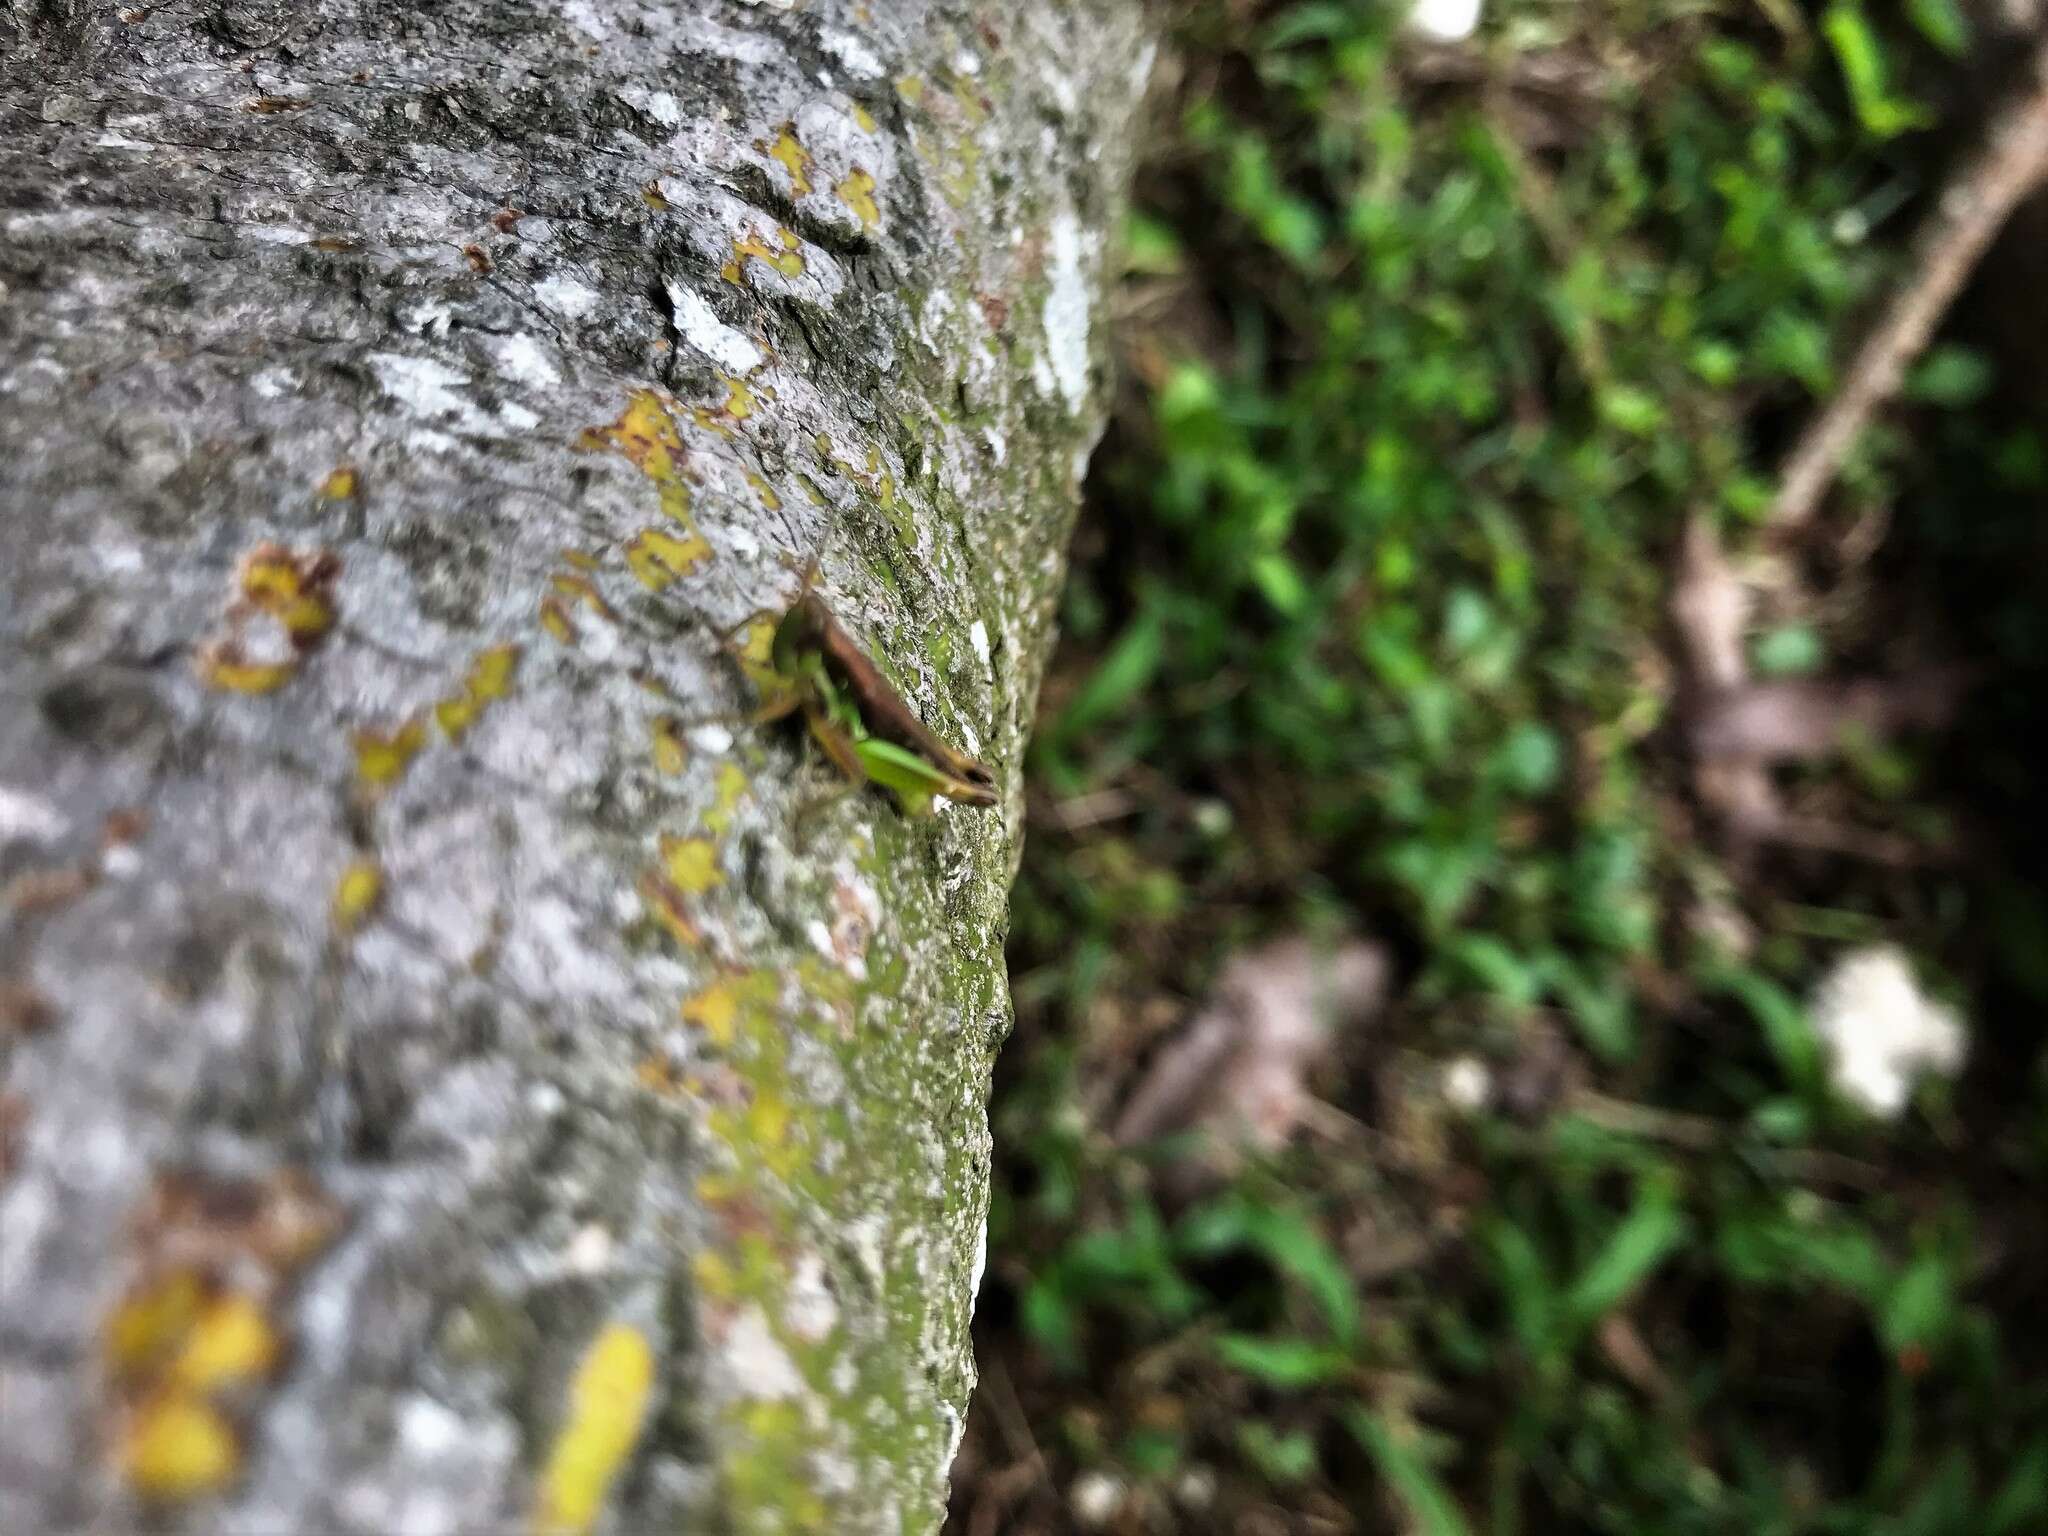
860	722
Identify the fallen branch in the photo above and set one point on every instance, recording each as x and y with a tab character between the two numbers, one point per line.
1738	728
1972	208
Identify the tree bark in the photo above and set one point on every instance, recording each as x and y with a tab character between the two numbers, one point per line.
448	1084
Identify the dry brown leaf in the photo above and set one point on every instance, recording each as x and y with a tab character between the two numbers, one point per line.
1239	1072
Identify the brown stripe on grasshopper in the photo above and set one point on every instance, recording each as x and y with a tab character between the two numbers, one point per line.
810	623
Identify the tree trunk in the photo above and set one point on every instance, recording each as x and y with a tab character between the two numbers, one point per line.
449	1085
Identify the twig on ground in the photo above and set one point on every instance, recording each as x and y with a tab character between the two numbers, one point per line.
1972	208
1702	1133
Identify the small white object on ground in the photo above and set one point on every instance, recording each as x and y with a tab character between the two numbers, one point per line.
1467	1084
1447	21
1881	1032
1095	1498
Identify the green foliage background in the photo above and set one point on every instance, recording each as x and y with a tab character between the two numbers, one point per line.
1432	353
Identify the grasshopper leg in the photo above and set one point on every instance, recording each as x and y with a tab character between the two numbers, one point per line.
838	746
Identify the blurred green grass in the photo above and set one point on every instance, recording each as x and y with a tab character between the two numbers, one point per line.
1431	356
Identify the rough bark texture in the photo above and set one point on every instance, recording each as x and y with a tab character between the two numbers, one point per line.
445	1088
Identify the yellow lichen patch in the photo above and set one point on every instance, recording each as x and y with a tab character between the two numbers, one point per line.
295	589
739	399
658	558
658	1075
582	590
794	158
973	106
766	1127
717	1189
230	1343
607	1407
647	436
857	191
179	1447
382	757
554	618
666	906
691	862
223	666
671	753
213	1256
730	790
863	117
811	491
784	256
182	1335
651	196
713	1010
718	1007
577	558
152	1321
910	88
356	895
757	643
957	181
490	675
489	678
340	485
714	1274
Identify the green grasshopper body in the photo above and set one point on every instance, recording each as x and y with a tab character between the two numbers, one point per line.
858	720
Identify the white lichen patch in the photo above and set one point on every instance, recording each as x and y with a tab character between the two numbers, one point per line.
589	1251
425	387
759	1366
29	817
809	1309
696	323
865	1235
566	296
586	17
449	1464
980	1266
525	359
712	740
1141	67
858	59
741	541
1041	374
977	636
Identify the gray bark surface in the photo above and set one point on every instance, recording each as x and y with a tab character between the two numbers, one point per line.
445	1084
